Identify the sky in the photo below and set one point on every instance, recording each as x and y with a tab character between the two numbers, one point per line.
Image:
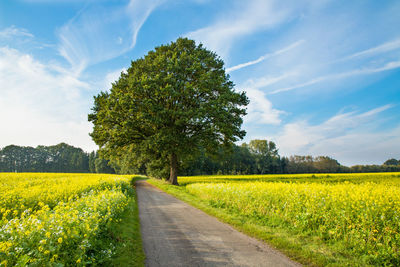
322	76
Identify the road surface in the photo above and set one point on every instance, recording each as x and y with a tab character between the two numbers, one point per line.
176	234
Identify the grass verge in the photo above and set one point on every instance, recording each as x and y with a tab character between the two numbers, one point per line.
302	247
126	236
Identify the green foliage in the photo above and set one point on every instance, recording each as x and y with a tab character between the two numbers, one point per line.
92	159
168	105
263	147
102	166
57	158
392	162
374	168
258	157
266	156
309	164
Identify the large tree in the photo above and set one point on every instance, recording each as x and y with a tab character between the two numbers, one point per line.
169	105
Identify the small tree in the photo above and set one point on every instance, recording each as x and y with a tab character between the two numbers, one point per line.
168	105
392	162
266	155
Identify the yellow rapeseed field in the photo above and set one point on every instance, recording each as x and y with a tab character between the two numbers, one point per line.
360	212
57	218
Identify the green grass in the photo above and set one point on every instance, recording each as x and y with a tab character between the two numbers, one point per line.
301	246
127	238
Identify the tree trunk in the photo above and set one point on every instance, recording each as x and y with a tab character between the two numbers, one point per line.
173	176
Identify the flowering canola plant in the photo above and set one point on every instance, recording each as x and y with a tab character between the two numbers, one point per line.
58	218
363	216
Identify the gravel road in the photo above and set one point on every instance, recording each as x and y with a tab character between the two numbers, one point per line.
177	234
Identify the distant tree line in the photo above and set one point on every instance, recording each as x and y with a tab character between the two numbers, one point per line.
261	157
256	157
57	158
391	165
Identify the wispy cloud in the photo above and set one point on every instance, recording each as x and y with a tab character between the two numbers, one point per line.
349	137
96	34
385	47
327	59
262	82
364	71
246	18
13	31
266	56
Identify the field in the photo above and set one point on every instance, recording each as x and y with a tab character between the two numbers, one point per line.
318	219
88	219
64	219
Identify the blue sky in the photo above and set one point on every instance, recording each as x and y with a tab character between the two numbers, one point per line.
323	77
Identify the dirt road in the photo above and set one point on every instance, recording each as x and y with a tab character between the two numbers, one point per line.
177	234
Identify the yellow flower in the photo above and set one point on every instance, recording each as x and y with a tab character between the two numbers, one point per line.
60	240
78	261
54	258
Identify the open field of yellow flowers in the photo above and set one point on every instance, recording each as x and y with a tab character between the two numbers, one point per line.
358	213
58	218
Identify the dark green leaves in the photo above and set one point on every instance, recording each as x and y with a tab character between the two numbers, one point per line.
173	101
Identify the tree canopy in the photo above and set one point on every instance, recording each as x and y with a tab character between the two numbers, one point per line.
169	105
57	158
392	162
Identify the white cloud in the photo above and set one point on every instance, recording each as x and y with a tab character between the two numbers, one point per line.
244	19
382	48
260	109
266	56
364	71
100	33
13	31
39	104
268	80
327	61
351	138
